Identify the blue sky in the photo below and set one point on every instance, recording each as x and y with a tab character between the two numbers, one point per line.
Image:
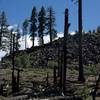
18	10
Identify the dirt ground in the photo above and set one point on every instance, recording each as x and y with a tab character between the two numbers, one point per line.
33	84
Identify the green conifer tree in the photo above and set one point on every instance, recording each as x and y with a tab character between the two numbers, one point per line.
25	31
17	37
4	33
33	25
41	25
51	24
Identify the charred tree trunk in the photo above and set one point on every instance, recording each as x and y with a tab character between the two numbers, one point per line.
64	66
55	76
47	80
18	77
59	58
13	64
60	83
81	76
59	64
65	51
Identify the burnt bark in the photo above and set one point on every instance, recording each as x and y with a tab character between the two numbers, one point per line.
81	74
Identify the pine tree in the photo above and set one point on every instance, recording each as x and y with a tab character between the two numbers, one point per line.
3	24
6	40
42	24
33	26
51	24
25	31
17	37
4	33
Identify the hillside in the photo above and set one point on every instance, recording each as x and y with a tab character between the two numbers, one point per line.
48	55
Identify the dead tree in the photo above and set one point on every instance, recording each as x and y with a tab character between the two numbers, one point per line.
60	64
59	59
47	79
15	79
60	71
55	75
13	65
81	76
65	50
18	79
64	66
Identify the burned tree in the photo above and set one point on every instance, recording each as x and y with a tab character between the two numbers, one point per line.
25	31
81	76
15	78
13	65
47	80
55	75
64	66
18	79
65	50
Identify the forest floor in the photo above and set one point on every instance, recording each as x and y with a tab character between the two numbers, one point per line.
34	84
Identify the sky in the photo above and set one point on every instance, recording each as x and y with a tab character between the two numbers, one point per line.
18	10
